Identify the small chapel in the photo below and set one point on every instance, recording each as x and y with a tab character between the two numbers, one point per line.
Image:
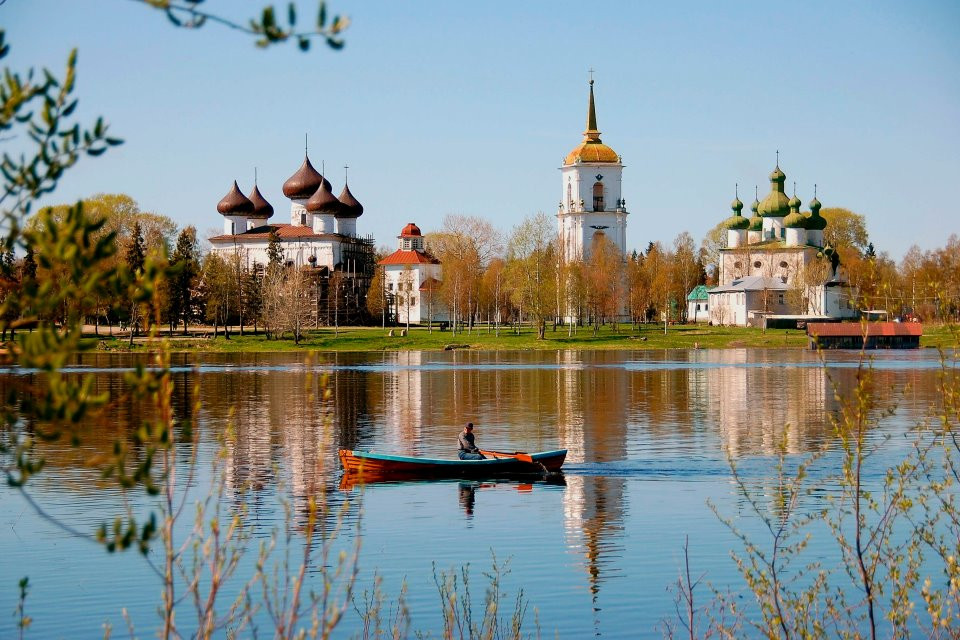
412	280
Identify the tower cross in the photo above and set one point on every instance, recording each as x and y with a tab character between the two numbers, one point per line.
345	168
591	74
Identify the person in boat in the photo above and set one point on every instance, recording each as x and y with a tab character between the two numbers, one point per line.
468	448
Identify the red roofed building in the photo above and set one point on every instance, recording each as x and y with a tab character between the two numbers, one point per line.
864	335
412	278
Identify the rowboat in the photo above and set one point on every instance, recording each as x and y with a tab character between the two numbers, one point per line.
498	463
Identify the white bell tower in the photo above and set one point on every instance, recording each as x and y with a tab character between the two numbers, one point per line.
591	202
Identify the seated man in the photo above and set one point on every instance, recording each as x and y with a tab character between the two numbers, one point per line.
468	449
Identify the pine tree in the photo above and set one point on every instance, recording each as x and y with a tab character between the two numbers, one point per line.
274	250
186	264
136	259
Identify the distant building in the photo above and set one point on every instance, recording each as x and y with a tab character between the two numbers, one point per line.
412	278
591	203
320	239
322	231
776	250
698	308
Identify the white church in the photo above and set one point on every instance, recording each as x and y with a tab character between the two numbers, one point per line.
591	204
777	261
412	279
321	233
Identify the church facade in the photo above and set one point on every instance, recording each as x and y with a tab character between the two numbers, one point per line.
412	279
321	233
776	263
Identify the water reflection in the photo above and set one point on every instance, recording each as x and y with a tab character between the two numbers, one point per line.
647	415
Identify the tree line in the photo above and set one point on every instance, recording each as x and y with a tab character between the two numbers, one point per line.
199	289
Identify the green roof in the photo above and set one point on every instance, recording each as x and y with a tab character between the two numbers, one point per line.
699	292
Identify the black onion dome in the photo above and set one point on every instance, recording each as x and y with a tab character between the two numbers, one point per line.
235	203
323	201
304	182
261	208
351	206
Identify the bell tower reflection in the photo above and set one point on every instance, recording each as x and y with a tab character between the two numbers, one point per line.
593	398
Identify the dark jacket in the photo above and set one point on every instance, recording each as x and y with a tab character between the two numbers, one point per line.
466	443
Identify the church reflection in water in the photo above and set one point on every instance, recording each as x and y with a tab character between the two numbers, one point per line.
600	406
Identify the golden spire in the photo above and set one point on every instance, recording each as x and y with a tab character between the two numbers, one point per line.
592	134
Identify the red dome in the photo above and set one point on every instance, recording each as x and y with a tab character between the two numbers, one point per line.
323	201
235	203
411	230
304	182
261	208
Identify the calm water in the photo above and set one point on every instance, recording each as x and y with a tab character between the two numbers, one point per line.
646	433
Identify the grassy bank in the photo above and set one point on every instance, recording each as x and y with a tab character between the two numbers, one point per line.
378	339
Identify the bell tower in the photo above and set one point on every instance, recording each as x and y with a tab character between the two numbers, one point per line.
591	202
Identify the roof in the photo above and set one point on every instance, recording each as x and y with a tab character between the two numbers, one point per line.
305	182
752	283
235	203
261	208
864	329
591	149
284	231
351	206
323	201
411	230
699	292
401	256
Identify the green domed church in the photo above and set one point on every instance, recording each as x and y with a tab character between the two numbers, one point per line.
770	255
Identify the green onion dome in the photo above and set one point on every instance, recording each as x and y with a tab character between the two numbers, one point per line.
736	221
776	204
756	224
815	221
795	220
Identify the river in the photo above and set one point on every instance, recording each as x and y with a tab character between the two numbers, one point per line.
648	435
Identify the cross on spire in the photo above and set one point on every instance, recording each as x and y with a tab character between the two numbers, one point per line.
345	168
778	158
590	70
305	143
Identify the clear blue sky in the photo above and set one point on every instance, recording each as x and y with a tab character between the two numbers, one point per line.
450	107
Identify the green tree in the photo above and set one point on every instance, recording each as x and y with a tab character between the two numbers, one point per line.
182	283
531	262
135	260
845	229
274	250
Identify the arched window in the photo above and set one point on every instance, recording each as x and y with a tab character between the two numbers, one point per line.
569	193
597	196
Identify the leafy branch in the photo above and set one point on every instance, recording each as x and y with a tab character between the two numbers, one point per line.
268	28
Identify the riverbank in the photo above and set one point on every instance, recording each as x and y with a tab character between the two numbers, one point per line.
200	339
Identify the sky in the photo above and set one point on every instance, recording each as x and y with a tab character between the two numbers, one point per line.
445	107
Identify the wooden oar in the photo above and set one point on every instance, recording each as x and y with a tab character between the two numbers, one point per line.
519	455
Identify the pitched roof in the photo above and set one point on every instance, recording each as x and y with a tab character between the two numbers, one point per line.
866	329
284	231
699	292
401	256
752	283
